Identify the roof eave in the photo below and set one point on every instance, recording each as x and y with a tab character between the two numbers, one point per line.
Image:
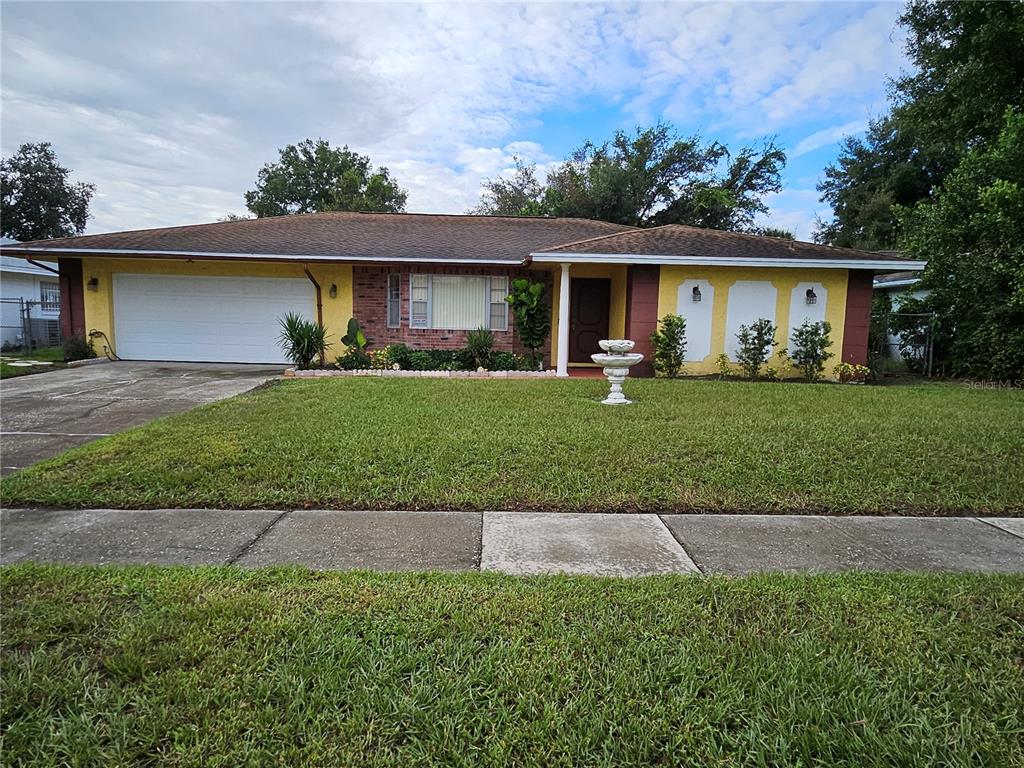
897	283
723	261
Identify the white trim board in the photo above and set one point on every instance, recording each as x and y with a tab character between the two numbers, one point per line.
722	261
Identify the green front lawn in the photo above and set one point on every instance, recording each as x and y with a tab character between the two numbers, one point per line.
226	667
464	444
54	355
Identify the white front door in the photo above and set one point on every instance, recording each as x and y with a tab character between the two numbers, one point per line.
205	319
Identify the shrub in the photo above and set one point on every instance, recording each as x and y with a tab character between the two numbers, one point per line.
533	318
421	360
850	373
302	340
507	361
810	348
78	348
354	360
478	346
380	359
399	355
756	342
670	345
724	365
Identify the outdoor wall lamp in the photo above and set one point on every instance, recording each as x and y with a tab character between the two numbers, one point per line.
696	293
93	284
333	292
812	297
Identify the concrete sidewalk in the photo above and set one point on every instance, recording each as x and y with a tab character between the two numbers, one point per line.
513	542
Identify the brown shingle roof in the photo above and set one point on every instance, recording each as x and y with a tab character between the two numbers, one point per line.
342	235
680	240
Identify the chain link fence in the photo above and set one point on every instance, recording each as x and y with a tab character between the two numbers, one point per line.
24	329
902	343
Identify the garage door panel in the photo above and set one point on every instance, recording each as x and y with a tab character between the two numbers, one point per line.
205	319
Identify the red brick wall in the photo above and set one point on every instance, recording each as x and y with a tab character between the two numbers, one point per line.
369	302
642	313
858	316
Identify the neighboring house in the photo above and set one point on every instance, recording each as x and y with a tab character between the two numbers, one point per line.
900	286
215	292
29	302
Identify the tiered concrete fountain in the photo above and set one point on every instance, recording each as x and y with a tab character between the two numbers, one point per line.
616	361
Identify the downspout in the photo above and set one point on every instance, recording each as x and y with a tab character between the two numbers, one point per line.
42	266
319	309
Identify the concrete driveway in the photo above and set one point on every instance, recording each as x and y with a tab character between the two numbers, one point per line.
47	413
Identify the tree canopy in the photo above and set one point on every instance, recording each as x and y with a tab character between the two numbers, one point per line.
313	176
972	235
649	177
38	199
967	68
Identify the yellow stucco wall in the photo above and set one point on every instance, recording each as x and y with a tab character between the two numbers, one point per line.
617	311
784	281
99	304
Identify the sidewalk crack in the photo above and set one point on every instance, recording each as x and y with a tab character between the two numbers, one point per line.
245	549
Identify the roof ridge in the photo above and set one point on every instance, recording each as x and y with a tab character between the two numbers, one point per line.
789	242
323	214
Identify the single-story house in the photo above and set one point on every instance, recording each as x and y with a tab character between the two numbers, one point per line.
29	302
215	292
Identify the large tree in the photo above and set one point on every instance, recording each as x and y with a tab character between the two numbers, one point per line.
967	68
869	179
313	176
972	235
649	177
37	199
520	194
733	198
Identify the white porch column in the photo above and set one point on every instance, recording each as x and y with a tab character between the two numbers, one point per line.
563	323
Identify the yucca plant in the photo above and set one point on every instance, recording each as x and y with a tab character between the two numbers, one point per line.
302	340
478	346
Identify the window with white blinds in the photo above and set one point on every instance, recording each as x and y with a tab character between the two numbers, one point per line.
458	302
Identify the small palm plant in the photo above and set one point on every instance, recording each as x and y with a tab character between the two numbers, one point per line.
302	340
478	346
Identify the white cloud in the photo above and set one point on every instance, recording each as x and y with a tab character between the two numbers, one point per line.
827	136
795	210
171	109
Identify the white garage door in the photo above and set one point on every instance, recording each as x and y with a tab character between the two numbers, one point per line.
205	319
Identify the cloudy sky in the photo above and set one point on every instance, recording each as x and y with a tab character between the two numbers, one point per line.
171	109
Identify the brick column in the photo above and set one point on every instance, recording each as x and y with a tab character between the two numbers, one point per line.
859	289
642	282
72	298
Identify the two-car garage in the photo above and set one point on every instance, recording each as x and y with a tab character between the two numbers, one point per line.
196	318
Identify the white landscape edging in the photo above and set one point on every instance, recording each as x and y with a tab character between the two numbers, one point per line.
291	373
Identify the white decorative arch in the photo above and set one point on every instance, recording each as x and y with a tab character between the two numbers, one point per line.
698	316
800	310
749	300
